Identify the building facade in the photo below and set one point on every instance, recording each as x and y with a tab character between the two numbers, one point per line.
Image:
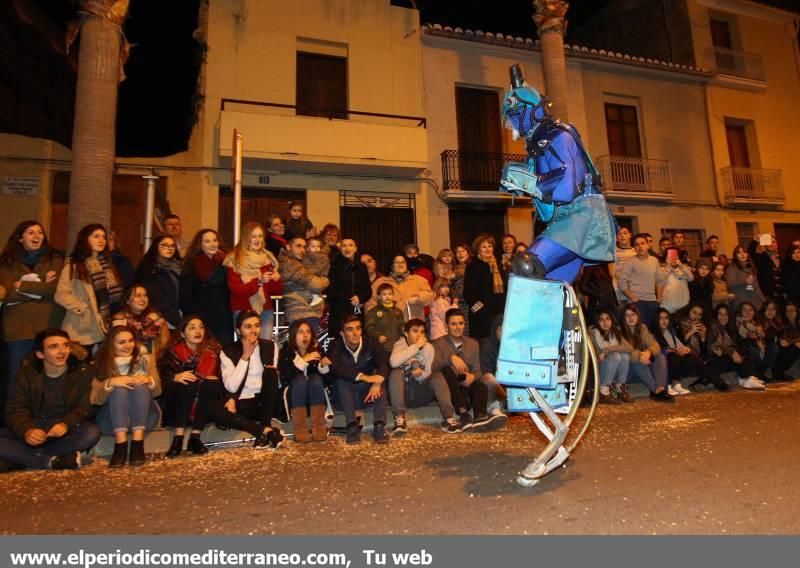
392	129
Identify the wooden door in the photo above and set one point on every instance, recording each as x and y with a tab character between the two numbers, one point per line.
379	231
480	138
743	183
468	223
128	196
257	205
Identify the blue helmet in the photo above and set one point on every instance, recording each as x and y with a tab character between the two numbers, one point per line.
523	105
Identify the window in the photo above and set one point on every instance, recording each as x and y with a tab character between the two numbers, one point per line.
720	33
745	232
622	127
693	241
321	85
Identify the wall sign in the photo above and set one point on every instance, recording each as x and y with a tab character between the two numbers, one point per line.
21	186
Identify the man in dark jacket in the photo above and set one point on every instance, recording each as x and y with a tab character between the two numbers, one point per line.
768	266
360	367
49	411
349	287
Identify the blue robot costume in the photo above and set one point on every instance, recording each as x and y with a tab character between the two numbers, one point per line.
563	183
545	353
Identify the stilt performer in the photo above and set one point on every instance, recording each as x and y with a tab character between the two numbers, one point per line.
545	350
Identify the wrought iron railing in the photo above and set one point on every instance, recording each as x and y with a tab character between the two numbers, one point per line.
474	171
752	184
738	63
635	176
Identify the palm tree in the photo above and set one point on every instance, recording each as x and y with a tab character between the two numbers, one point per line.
93	136
550	17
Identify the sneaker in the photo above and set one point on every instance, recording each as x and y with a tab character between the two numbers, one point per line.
623	394
671	390
465	421
680	389
67	461
608	399
353	433
751	383
496	408
493	422
261	442
379	433
275	438
451	425
399	428
662	396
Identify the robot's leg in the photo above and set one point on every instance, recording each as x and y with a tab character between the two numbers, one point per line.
555	453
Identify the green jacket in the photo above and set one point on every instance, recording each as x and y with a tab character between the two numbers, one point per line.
385	321
26	401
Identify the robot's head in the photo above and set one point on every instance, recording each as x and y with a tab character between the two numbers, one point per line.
523	106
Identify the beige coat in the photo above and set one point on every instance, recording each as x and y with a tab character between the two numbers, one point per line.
82	321
411	296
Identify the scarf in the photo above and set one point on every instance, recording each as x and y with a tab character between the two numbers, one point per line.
107	289
497	279
146	327
249	264
31	258
210	270
204	361
399	277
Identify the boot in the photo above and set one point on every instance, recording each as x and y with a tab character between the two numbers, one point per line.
319	425
137	453
196	445
120	455
301	433
176	448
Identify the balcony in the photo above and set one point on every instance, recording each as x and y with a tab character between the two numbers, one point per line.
475	176
738	69
638	179
752	187
346	141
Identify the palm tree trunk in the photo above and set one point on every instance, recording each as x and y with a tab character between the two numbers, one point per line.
551	22
94	130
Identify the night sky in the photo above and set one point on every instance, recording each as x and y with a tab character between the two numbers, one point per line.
159	100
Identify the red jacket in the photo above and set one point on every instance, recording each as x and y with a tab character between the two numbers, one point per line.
241	292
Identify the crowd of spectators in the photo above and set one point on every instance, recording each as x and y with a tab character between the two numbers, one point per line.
187	338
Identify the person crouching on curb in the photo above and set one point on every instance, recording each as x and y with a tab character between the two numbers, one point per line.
301	368
127	382
250	377
457	358
359	366
411	381
49	411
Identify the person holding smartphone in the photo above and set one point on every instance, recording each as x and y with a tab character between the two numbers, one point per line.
676	276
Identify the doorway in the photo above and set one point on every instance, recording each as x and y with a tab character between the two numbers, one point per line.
128	196
785	234
466	223
257	205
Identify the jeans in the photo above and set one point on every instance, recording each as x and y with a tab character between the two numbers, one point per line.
267	320
690	366
252	414
614	368
306	391
725	364
351	395
654	375
787	356
128	409
475	396
204	393
648	309
16	353
761	363
419	393
15	450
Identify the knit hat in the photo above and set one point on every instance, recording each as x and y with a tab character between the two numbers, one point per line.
703	261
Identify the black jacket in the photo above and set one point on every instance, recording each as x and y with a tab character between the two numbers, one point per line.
27	399
769	275
287	369
209	299
479	287
269	378
347	279
372	360
162	290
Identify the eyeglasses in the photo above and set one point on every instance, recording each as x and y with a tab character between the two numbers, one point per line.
166	246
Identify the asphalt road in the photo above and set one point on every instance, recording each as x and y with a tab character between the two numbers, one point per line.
713	463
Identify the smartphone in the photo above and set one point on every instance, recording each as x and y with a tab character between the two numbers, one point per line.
672	255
